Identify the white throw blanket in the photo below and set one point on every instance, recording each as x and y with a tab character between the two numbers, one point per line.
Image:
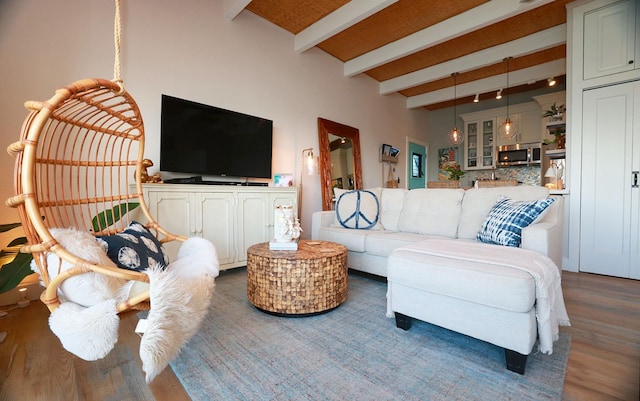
550	308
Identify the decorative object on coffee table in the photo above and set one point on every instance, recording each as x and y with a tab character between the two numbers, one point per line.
286	229
308	281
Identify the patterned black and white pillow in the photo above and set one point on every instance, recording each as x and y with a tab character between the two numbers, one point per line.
135	248
507	218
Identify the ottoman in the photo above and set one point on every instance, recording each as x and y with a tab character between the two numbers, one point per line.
489	302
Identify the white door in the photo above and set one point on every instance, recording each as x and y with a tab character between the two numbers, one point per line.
609	203
416	164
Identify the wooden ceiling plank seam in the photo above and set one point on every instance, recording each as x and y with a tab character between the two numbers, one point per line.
339	20
234	7
530	44
469	21
494	83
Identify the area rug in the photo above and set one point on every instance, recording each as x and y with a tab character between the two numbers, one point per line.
351	353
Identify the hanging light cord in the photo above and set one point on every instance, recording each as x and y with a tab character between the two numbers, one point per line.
507	94
455	98
117	31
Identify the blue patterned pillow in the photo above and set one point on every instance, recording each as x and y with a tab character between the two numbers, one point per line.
135	248
507	218
359	209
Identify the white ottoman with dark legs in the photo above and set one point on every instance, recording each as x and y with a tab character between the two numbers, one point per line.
489	295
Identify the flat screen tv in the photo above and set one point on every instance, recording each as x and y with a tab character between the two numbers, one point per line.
199	139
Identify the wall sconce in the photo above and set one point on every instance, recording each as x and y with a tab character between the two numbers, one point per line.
309	167
477	98
499	94
551	81
309	162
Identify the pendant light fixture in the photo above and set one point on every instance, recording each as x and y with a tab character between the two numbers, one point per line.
508	128
456	136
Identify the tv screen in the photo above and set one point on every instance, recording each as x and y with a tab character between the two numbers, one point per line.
199	139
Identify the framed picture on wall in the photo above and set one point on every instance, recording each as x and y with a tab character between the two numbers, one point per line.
283	180
446	156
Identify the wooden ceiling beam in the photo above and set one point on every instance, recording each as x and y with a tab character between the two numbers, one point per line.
479	17
518	77
530	44
339	20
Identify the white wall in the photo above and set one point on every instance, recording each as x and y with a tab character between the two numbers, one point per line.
187	49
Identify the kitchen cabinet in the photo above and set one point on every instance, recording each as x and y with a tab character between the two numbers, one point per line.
528	123
232	218
611	43
478	145
481	132
610	195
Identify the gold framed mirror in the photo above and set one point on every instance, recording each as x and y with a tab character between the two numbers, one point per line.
339	161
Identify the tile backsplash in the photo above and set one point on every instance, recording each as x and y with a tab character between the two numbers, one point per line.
527	175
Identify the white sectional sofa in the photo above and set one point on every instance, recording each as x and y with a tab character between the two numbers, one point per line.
424	241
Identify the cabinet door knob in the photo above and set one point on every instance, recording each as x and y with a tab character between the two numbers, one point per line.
635	184
630	61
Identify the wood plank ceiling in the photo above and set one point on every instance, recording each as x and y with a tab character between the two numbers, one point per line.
413	46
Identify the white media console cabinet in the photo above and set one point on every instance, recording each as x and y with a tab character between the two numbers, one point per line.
232	217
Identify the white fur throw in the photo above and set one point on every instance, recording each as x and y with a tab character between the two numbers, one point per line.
90	333
85	289
180	298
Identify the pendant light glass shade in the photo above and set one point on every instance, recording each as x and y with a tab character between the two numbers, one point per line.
508	129
456	136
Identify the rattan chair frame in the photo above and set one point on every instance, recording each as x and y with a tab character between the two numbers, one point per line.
80	154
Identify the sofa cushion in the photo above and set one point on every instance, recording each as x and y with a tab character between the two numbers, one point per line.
493	285
354	240
382	243
391	207
507	218
431	211
478	202
358	209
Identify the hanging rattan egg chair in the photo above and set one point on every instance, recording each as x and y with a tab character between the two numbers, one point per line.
78	165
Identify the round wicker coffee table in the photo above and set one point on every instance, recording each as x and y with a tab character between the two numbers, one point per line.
305	282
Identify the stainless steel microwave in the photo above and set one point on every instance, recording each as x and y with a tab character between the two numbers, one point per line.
518	155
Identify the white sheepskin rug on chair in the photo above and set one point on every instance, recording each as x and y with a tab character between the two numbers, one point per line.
90	333
180	298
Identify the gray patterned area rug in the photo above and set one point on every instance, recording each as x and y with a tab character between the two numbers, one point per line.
351	353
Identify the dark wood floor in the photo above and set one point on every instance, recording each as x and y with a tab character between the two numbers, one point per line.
604	363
